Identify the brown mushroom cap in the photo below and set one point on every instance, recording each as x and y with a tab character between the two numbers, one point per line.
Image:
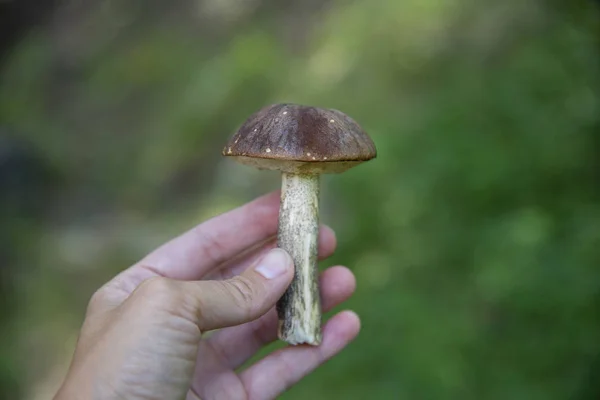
296	138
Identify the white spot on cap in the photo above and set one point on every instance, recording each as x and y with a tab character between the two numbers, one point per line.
236	140
285	112
314	158
332	121
229	150
308	154
324	158
268	150
255	129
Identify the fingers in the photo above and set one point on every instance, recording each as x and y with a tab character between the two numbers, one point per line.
243	235
224	351
235	266
244	298
191	255
236	345
280	370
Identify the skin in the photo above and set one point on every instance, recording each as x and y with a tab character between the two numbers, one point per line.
142	337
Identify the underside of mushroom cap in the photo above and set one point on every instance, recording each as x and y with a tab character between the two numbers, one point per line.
296	138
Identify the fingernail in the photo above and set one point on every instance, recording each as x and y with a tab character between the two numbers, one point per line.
274	264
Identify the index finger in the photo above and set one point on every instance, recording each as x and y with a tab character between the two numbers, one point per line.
204	247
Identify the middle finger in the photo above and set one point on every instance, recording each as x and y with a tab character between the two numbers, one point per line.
238	344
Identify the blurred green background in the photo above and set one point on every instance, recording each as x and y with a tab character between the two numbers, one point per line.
474	236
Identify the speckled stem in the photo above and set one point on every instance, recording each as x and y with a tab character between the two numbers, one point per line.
299	309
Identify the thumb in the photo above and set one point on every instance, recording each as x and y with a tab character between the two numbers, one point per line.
244	298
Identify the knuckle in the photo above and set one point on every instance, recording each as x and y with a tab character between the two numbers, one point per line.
155	286
244	293
159	290
98	300
213	249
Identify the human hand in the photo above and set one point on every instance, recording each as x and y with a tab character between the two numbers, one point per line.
142	335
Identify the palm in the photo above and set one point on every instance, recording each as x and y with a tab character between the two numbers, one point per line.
223	247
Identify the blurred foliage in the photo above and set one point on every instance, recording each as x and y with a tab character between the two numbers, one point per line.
475	235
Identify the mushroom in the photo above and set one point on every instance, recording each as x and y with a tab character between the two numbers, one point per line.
302	142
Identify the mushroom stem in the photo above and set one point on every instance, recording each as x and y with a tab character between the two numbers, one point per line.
299	309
